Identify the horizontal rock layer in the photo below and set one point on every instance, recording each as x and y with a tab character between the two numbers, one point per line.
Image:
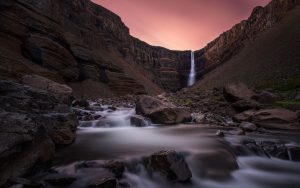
230	43
76	40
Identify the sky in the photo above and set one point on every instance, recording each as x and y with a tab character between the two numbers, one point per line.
180	24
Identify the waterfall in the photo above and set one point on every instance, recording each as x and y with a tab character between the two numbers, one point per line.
192	76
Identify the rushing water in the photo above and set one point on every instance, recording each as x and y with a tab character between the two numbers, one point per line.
208	156
192	75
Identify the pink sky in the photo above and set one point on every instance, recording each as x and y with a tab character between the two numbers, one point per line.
180	24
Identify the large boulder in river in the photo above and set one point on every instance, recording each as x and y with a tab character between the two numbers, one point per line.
236	92
32	123
276	119
62	92
170	164
161	112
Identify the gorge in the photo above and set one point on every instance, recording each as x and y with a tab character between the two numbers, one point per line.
85	104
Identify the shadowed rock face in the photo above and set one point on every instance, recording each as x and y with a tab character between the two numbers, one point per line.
76	40
32	123
231	42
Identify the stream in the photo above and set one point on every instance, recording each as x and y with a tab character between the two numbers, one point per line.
213	161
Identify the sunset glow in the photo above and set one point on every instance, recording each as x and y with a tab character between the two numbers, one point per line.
177	25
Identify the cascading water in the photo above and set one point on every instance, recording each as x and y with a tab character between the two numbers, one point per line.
192	76
112	137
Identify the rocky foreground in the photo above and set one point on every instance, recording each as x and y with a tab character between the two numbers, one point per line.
37	118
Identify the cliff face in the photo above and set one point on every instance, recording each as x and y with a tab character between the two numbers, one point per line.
87	46
233	41
272	59
75	40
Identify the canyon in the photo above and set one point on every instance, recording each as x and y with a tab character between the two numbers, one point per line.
142	116
86	46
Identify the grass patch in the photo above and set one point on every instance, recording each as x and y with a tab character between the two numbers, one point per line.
283	85
217	98
290	104
184	102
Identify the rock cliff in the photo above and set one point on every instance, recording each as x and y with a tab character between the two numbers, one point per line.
231	42
87	46
76	40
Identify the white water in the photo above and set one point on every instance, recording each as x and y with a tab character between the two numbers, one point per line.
192	76
203	152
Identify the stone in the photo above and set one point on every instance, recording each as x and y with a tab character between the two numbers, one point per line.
294	153
278	118
273	149
22	182
297	96
139	121
267	97
171	164
32	123
81	103
243	105
198	117
207	163
236	92
220	133
244	116
247	126
116	167
107	182
161	112
61	91
240	132
60	179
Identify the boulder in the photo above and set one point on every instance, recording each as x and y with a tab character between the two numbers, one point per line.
243	105
276	119
161	112
236	92
297	96
61	91
217	163
107	182
57	179
115	167
32	123
81	103
244	116
247	126
198	117
139	121
294	153
170	164
267	97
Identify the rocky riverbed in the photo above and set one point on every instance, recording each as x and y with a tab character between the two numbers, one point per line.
159	141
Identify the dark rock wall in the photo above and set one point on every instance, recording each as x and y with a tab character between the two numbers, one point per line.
73	40
77	40
232	41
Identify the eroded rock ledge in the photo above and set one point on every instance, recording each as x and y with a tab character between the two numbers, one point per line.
32	124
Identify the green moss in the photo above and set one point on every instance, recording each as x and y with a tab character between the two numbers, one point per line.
181	101
283	85
217	98
290	104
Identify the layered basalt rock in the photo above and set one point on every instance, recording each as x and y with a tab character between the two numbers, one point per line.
73	41
76	40
32	123
232	41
